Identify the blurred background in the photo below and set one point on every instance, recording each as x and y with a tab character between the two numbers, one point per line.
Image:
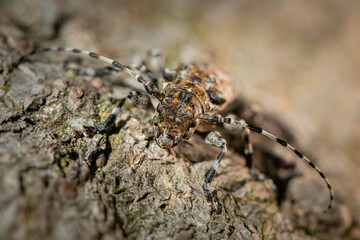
299	60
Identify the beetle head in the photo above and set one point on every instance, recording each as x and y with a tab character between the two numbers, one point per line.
174	122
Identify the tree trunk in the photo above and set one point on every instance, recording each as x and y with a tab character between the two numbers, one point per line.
119	185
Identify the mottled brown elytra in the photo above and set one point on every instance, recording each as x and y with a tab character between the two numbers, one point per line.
192	94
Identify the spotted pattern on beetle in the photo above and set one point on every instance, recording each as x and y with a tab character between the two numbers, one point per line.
218	85
192	94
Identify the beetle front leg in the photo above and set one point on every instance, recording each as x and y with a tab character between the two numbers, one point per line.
213	138
138	98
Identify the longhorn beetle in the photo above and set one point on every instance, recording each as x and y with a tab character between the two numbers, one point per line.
192	94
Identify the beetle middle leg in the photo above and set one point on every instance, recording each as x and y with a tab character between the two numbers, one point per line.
248	152
213	138
248	148
155	62
138	98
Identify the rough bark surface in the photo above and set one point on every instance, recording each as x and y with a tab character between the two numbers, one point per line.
121	185
118	185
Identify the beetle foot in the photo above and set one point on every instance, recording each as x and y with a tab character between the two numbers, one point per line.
88	131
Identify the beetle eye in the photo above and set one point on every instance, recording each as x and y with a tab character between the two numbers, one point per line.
155	121
193	123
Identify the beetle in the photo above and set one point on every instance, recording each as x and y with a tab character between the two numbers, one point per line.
192	95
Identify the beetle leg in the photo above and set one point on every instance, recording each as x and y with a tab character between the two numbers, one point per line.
138	98
156	60
248	153
213	138
248	148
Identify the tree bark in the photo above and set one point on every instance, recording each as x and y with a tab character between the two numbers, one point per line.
119	185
